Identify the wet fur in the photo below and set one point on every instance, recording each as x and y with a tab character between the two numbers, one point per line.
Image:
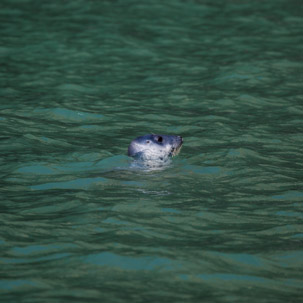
154	147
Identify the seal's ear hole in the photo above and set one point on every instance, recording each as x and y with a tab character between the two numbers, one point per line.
160	139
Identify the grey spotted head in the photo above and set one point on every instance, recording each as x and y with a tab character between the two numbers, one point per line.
155	147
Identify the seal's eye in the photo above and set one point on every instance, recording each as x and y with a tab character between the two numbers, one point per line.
160	139
147	141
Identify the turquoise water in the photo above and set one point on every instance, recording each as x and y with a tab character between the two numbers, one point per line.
79	80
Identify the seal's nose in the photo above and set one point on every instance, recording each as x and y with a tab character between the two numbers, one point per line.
180	138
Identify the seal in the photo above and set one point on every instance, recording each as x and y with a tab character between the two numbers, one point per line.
155	147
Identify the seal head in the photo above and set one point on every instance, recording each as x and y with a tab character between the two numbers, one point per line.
155	147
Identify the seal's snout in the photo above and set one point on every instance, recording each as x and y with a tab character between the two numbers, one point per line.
179	141
177	145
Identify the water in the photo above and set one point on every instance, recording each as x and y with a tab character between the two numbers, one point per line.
80	80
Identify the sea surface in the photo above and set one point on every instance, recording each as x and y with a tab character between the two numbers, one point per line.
79	80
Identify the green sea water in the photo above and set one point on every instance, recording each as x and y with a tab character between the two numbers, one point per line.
80	79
